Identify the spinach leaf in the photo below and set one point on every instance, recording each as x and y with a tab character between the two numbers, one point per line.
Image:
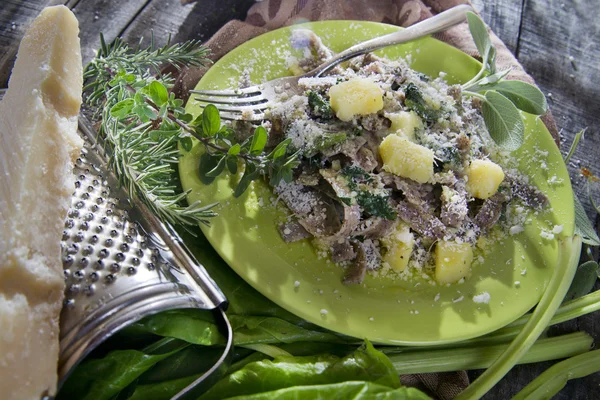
414	101
377	205
98	379
339	391
318	106
365	363
191	325
256	329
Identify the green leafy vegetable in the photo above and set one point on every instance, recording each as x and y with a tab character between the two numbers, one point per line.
560	281
318	105
503	121
555	378
98	379
584	280
523	95
339	391
365	364
414	101
503	98
376	204
583	226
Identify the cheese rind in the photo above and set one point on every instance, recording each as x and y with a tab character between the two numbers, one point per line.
38	145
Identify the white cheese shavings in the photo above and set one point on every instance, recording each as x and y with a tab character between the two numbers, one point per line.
482	298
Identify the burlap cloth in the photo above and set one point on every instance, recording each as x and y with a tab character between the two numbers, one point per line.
272	14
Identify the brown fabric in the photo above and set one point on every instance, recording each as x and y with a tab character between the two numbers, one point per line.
271	14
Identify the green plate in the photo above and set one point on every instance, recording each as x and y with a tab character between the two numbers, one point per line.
514	273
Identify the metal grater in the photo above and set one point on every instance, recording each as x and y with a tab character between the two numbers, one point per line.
121	264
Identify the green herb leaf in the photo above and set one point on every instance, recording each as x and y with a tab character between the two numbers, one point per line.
486	83
480	36
122	108
365	364
186	143
211	120
250	174
259	140
191	325
525	96
583	225
232	164
414	101
584	280
207	163
503	121
216	171
279	151
144	112
375	204
157	92
234	150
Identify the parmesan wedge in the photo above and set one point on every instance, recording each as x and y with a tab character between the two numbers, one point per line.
38	145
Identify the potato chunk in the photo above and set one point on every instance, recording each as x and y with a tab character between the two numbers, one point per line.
484	178
452	261
404	123
407	159
358	96
399	247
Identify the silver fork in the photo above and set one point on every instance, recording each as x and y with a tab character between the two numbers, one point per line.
250	103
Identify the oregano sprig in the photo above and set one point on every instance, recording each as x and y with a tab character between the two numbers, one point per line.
142	124
501	99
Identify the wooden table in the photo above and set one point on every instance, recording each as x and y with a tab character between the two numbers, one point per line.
556	41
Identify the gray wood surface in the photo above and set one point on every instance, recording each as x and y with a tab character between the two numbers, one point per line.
556	41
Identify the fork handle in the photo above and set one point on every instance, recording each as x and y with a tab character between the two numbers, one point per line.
440	22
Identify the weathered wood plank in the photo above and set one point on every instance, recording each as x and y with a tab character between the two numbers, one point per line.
15	16
183	22
109	17
558	46
504	17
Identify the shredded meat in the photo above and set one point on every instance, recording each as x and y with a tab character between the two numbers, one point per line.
490	211
293	232
420	221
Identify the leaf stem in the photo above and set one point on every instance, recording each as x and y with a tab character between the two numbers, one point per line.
474	94
555	378
479	357
568	257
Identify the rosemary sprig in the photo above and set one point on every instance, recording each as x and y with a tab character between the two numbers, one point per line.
142	125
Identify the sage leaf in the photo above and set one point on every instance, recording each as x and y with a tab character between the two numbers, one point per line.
583	225
259	140
487	82
480	36
503	121
524	96
584	280
211	120
122	108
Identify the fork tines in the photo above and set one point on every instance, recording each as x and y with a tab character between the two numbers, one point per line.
242	104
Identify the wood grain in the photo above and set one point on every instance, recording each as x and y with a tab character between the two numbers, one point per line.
544	35
503	17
